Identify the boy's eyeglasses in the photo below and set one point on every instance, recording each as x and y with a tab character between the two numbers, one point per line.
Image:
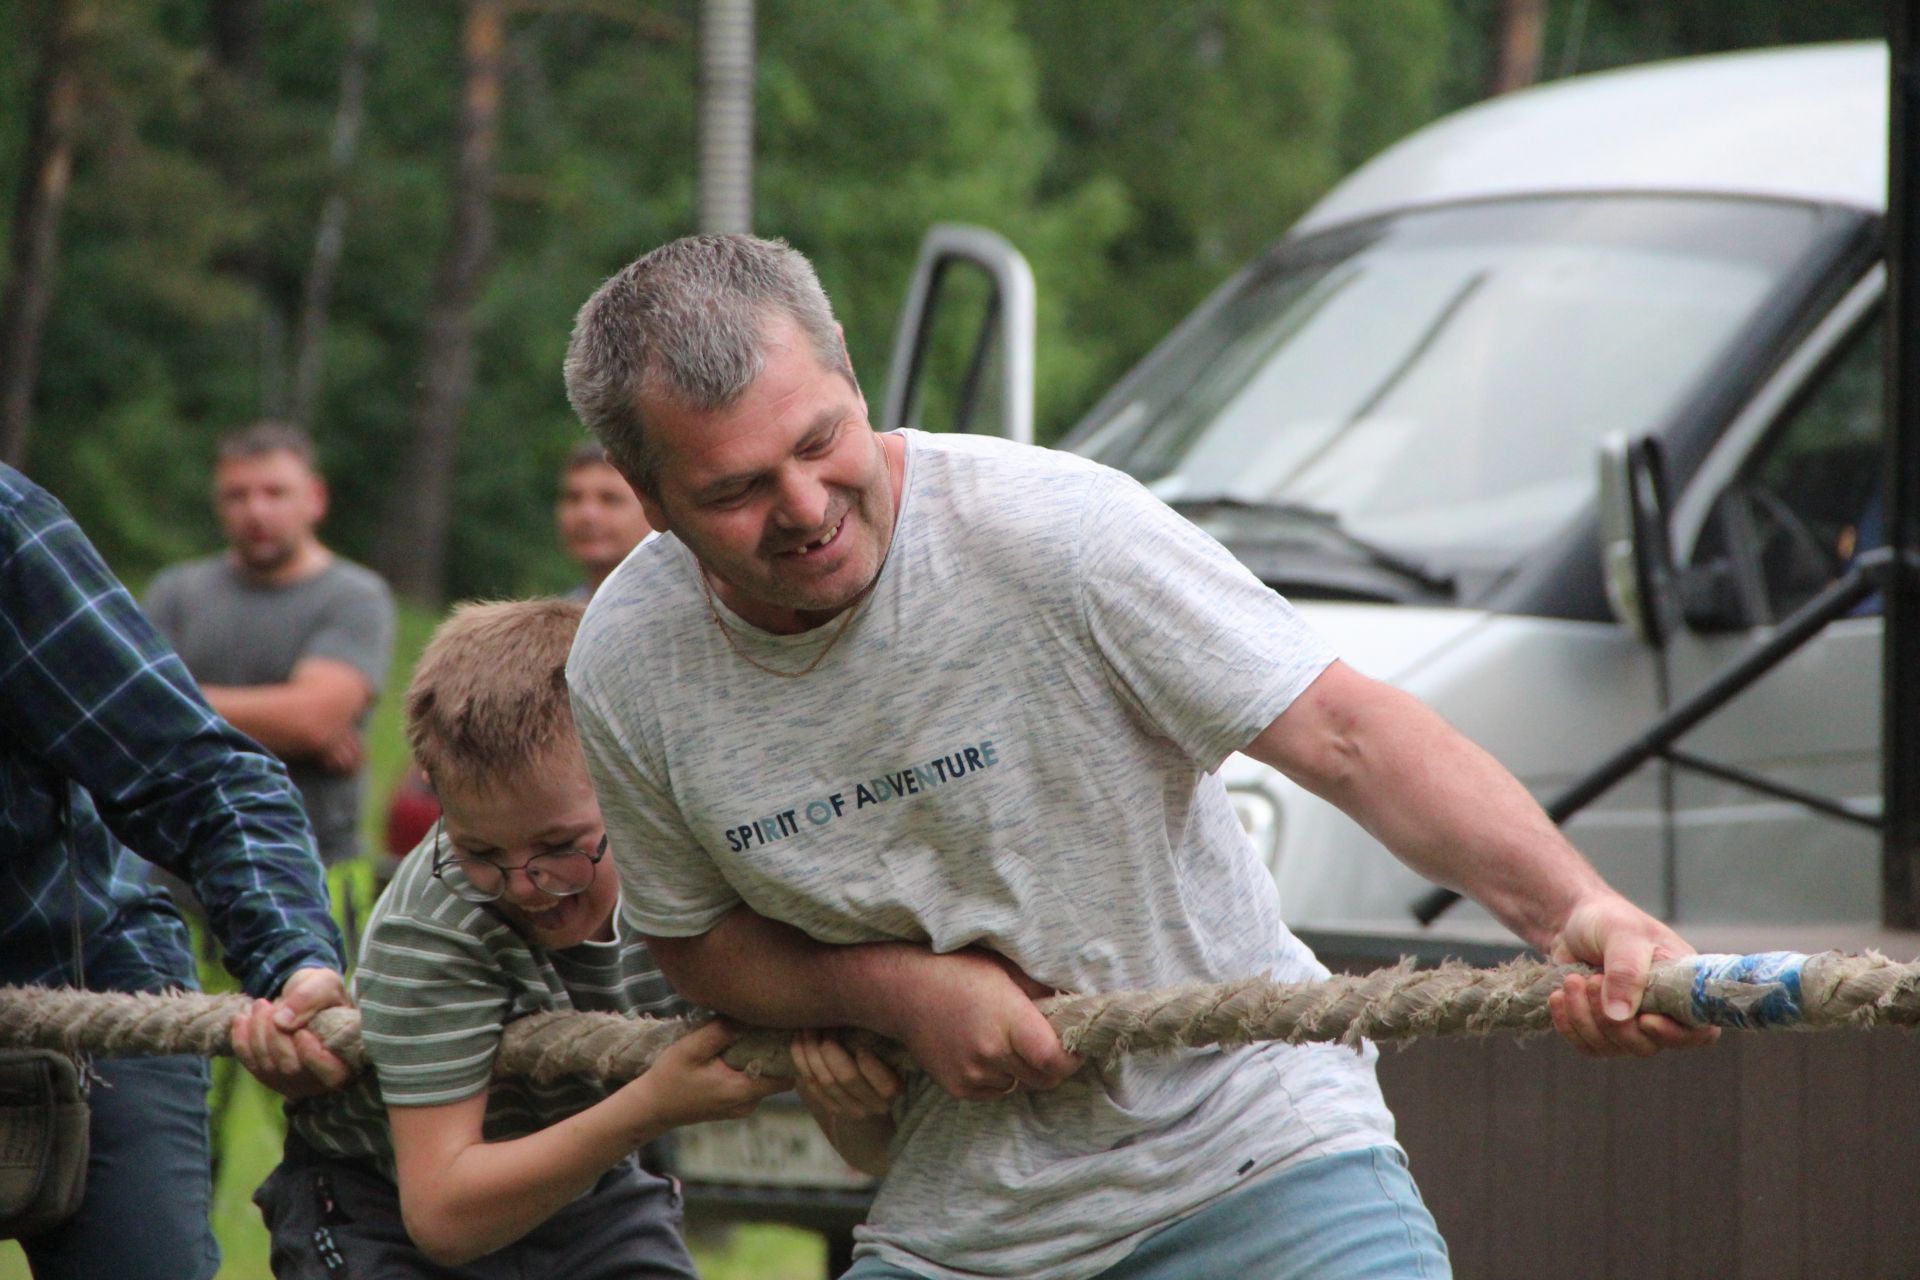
560	874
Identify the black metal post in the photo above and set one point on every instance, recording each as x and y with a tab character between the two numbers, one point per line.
1900	789
1809	620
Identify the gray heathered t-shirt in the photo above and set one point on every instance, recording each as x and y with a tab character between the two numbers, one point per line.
439	979
231	630
1012	745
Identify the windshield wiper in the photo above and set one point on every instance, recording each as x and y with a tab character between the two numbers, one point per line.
1375	554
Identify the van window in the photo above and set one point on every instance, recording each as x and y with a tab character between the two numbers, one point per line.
1437	382
1807	503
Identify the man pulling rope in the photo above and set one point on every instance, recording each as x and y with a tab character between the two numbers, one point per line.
901	731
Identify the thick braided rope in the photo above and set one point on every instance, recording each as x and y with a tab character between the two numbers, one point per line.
1782	990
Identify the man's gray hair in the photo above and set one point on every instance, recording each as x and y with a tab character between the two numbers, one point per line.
686	324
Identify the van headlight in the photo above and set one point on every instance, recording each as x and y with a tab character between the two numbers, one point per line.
1260	819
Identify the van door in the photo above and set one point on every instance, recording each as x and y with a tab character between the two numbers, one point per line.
1779	510
963	353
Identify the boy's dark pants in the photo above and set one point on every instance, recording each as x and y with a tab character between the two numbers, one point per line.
340	1220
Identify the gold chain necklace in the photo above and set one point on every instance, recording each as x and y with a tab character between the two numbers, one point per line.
726	632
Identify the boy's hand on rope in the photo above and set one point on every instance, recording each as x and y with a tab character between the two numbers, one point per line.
690	1083
972	1024
271	1039
838	1082
1596	1014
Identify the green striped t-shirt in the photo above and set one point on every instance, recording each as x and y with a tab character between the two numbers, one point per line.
438	980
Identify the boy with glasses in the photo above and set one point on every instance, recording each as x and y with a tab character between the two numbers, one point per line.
427	1165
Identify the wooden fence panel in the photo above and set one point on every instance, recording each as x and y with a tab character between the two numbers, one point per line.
1771	1156
1772	1135
1521	1102
1892	1132
1837	1100
1576	1141
1449	1110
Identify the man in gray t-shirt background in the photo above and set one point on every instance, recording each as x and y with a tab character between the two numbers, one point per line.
290	642
898	731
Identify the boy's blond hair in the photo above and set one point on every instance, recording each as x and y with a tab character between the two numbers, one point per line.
488	700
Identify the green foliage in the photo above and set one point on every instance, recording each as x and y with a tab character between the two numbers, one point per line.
1612	33
881	117
1218	123
1136	151
1594	35
194	204
387	754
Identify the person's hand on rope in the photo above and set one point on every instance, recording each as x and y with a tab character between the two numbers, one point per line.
838	1082
689	1082
272	1040
850	1093
971	1023
1596	1015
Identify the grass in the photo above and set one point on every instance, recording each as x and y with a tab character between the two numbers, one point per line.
248	1141
386	731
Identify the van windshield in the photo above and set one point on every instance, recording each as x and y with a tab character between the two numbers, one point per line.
1436	383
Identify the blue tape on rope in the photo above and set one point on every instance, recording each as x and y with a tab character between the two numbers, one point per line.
1717	979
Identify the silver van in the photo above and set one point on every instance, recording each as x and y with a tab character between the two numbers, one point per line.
1400	414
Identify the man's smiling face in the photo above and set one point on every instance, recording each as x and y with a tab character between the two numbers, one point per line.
786	496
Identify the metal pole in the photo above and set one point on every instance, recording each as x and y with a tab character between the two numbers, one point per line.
726	116
1900	850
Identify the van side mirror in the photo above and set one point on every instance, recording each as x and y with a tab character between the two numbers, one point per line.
1636	560
1709	597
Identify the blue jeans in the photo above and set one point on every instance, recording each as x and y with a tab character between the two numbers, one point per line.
149	1183
1352	1216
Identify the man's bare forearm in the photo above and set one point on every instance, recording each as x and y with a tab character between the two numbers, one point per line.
1464	820
966	1017
1442	804
301	717
770	974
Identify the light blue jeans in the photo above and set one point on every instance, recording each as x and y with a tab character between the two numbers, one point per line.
1352	1216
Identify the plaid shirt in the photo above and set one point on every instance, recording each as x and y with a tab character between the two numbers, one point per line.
95	703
